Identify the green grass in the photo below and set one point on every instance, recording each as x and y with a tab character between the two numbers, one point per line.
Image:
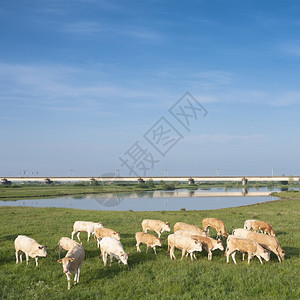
148	276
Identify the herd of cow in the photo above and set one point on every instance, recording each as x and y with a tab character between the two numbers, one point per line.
186	237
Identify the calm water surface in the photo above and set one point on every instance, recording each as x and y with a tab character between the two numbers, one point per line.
201	199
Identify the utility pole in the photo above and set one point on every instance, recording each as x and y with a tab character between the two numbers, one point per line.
217	172
272	172
165	172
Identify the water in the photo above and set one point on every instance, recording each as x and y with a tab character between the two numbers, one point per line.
201	199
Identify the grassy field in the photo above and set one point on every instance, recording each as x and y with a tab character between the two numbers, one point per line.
149	276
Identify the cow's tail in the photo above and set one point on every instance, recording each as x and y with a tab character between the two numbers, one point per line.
55	247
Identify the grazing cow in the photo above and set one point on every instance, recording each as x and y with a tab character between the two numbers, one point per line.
209	244
155	225
268	242
184	243
147	239
188	227
248	224
72	263
30	247
114	248
257	225
66	244
216	224
100	233
243	245
88	227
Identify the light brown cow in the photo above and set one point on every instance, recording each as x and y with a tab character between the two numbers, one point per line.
243	245
155	225
264	227
147	239
66	244
30	247
268	242
72	263
209	244
188	227
184	243
217	224
100	233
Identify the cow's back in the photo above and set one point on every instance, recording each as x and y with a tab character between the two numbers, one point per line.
25	243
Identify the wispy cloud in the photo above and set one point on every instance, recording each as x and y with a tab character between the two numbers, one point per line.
96	29
291	48
226	138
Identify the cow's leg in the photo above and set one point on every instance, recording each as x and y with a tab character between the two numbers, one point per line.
172	252
27	258
111	258
159	234
147	249
98	242
79	269
17	256
88	236
36	261
68	278
75	276
104	257
243	256
138	247
73	232
250	256
227	257
78	236
260	259
183	252
278	255
21	255
209	255
154	250
233	257
207	231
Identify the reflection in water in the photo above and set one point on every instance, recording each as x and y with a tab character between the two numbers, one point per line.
156	200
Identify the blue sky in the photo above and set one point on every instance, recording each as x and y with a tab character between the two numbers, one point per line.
81	81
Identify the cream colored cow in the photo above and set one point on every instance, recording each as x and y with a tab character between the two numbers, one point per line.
155	225
72	263
243	245
217	224
100	233
84	226
184	243
31	248
268	242
188	227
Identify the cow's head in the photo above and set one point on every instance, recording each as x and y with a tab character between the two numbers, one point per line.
66	263
42	251
167	227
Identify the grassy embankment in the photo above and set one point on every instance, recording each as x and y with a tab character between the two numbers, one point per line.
149	276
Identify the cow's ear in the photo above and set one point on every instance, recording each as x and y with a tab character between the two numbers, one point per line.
71	259
41	247
129	254
283	251
59	261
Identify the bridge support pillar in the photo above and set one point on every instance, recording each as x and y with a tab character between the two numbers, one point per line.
191	181
48	181
141	180
244	181
4	181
